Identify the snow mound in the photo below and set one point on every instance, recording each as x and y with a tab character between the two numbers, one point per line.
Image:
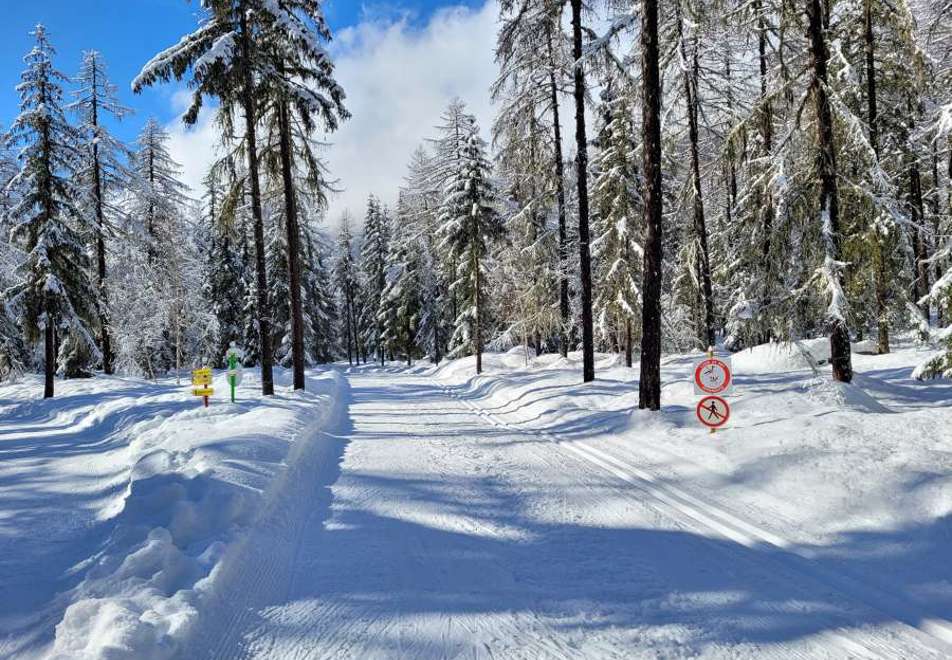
186	502
842	396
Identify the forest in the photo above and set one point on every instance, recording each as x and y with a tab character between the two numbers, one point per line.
660	177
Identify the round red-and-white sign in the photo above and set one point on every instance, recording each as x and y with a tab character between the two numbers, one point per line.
712	376
713	411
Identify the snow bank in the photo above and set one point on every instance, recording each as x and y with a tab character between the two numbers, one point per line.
198	479
850	472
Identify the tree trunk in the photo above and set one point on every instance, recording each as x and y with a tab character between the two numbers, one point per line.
478	330
882	317
581	160
251	147
49	369
347	327
649	386
920	249
829	197
628	343
700	225
294	247
766	133
560	203
105	341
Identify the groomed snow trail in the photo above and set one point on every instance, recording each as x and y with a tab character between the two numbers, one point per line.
444	532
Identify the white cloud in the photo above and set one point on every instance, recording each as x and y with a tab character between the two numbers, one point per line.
398	78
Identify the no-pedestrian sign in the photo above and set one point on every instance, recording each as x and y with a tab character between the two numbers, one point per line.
713	411
712	376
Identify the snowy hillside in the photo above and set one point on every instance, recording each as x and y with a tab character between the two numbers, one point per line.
425	512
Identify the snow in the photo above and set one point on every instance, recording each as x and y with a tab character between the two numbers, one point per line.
120	501
428	512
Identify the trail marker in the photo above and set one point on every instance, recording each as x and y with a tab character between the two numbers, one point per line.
713	411
712	377
233	356
202	381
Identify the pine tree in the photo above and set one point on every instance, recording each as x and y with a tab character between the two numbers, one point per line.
230	58
469	224
102	172
303	92
54	297
373	263
618	209
346	278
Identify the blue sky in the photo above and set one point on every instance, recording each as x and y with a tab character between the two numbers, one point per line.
129	33
400	63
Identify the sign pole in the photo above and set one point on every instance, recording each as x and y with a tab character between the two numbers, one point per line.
710	354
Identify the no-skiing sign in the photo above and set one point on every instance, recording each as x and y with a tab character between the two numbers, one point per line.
713	411
712	376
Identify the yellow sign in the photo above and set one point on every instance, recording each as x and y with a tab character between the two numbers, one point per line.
202	376
203	391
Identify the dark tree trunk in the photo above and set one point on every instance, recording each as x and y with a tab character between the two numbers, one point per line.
581	159
628	343
294	246
105	341
700	225
766	133
920	248
348	329
649	386
882	316
49	369
478	329
560	203
829	197
263	310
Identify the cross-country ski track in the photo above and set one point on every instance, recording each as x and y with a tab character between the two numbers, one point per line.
417	524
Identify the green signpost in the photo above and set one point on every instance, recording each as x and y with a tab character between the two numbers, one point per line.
233	357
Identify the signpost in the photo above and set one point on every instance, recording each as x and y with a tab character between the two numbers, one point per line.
202	383
233	356
712	378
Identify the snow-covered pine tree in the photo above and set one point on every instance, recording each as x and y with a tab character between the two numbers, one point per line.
53	295
399	308
230	57
347	281
102	172
373	264
14	357
470	224
420	202
302	93
617	209
532	53
320	309
149	306
224	288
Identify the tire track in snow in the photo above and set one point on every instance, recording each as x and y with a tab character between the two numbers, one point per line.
694	513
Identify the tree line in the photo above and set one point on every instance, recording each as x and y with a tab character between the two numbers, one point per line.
747	170
659	177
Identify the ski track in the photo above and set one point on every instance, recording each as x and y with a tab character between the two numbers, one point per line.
413	527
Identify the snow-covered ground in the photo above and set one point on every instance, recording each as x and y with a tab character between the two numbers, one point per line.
121	501
426	512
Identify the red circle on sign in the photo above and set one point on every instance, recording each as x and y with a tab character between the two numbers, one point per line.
718	364
716	415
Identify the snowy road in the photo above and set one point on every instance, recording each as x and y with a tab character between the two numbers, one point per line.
421	526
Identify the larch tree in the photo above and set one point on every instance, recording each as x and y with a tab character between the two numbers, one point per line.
102	174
